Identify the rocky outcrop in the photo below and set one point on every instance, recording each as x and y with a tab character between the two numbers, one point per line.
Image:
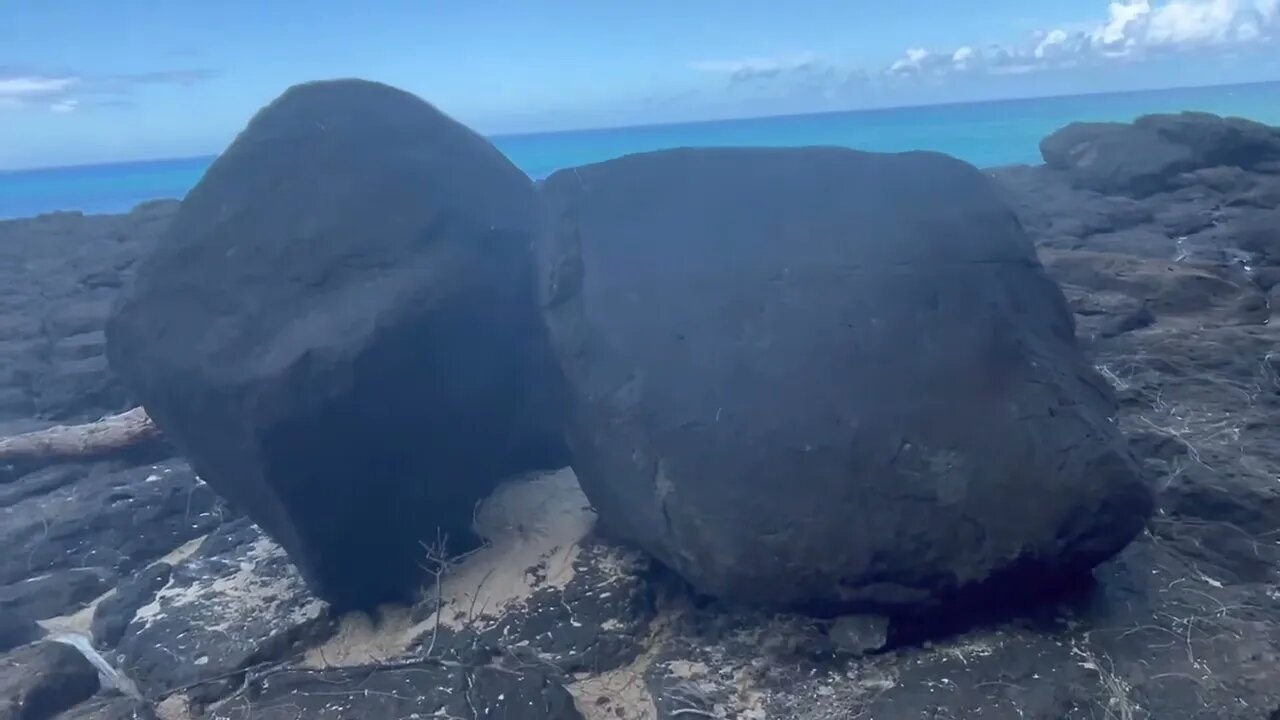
17	630
112	615
79	527
827	378
235	600
59	275
339	331
1204	247
40	681
428	690
55	593
1149	155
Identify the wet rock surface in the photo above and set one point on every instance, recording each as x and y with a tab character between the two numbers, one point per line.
376	367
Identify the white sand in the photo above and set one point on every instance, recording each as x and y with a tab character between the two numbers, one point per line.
527	525
175	707
362	640
533	527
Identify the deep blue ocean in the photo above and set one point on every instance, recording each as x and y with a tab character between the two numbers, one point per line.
986	134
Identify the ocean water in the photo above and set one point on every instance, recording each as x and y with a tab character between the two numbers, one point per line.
986	134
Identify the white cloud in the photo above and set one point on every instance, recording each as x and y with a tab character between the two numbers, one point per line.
1131	29
1052	42
26	87
1138	25
1115	35
1121	31
1194	21
1247	32
1267	10
64	93
911	63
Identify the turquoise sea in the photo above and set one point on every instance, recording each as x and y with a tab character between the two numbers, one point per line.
986	134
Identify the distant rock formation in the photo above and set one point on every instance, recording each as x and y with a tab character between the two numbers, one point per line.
1149	155
339	331
827	378
59	274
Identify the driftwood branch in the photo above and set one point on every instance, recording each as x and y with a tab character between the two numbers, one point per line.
112	436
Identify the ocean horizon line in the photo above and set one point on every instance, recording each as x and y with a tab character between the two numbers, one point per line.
179	159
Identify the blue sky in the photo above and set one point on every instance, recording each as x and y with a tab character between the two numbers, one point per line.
84	82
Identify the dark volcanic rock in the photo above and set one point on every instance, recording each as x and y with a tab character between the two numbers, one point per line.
40	681
1136	320
112	616
108	519
59	274
16	630
236	601
428	690
38	482
1154	152
339	331
110	708
814	376
57	593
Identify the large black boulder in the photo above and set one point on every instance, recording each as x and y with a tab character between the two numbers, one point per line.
339	330
826	378
1151	154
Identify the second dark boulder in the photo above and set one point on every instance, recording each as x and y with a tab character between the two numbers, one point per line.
827	378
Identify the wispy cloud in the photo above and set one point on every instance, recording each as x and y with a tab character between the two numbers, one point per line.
67	92
744	70
163	77
65	106
794	76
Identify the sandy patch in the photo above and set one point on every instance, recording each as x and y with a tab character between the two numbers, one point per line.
621	693
175	707
362	640
77	623
184	551
533	528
